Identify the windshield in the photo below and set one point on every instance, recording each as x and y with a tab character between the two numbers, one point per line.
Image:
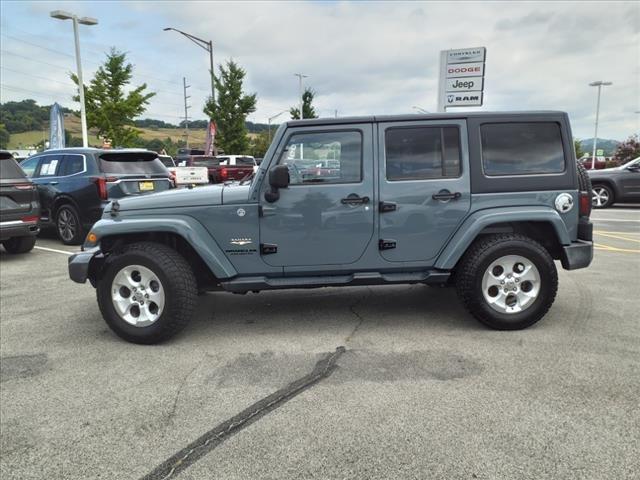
132	163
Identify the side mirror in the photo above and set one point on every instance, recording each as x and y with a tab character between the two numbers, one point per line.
278	178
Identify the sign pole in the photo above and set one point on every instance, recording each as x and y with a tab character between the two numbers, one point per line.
442	81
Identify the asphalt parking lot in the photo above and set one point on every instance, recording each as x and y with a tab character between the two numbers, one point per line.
421	390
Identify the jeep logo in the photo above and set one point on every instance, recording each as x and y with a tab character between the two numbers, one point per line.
468	85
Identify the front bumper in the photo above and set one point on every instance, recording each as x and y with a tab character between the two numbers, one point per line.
577	255
80	264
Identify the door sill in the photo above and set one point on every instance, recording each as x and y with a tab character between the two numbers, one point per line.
246	284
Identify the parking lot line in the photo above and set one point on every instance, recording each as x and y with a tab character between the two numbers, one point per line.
616	220
619	237
602	246
53	250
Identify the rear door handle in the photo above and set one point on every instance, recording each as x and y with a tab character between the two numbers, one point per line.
444	195
354	199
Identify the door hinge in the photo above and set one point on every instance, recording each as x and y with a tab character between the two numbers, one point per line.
385	244
268	248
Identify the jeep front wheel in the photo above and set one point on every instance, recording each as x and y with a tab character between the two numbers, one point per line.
147	293
508	282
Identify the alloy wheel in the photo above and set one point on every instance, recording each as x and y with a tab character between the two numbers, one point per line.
511	284
67	225
137	295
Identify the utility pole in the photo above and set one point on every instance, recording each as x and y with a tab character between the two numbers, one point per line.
300	77
598	84
186	113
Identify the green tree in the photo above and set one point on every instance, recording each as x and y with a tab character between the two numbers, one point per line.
627	150
578	148
110	109
308	109
230	109
4	136
259	145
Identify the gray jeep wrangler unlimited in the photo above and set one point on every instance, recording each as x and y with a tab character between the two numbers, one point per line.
484	201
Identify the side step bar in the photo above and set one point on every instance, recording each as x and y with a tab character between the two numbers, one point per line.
246	284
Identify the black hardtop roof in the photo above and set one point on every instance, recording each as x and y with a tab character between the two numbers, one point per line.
408	117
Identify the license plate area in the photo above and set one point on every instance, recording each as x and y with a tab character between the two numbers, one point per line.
146	186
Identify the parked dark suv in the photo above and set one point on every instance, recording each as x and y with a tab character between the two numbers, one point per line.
76	183
616	185
19	207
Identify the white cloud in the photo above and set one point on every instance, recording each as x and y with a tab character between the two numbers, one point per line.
382	57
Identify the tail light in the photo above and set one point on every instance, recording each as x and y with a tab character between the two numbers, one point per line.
224	173
585	204
25	186
101	183
30	219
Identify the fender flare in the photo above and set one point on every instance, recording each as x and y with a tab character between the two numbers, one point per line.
476	222
184	226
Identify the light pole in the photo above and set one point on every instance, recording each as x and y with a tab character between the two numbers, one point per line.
300	77
62	15
273	118
598	84
208	46
420	109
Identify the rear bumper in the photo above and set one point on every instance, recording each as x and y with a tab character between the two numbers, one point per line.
18	228
80	264
577	255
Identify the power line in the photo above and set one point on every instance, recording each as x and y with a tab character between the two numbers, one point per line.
70	83
145	74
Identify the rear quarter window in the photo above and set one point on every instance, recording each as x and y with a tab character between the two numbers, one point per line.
521	148
131	163
9	168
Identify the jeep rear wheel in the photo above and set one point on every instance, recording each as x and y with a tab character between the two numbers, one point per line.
507	282
147	293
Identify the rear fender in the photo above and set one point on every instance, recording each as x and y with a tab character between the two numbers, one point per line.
186	227
475	223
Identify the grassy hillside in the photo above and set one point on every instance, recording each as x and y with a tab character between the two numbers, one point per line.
72	125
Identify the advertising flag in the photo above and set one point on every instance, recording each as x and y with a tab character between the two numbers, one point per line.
210	148
56	127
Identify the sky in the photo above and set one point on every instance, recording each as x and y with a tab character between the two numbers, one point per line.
361	57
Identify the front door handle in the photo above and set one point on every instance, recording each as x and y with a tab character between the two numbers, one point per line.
52	183
446	195
354	199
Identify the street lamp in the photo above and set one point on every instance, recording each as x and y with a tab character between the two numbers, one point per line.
62	15
273	118
420	109
300	77
208	46
598	84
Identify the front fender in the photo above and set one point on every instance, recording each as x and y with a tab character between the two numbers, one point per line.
186	227
477	221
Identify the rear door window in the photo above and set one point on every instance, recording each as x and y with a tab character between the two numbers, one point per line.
131	163
522	148
9	168
72	164
421	153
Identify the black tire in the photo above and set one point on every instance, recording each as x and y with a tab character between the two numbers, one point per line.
584	181
477	260
68	225
19	244
177	280
602	190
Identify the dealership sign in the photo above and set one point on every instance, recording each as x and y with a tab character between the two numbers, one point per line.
461	78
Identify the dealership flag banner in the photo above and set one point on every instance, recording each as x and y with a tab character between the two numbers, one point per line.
209	148
56	129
